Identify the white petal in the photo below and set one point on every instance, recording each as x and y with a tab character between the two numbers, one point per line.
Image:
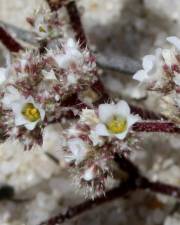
23	62
63	61
169	56
17	107
20	120
177	79
71	43
101	130
3	75
49	75
72	78
140	75
106	112
175	41
42	113
122	109
31	126
89	174
132	119
122	135
95	138
148	62
78	148
158	53
11	96
69	158
76	54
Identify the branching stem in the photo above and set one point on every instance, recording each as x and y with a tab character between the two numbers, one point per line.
9	41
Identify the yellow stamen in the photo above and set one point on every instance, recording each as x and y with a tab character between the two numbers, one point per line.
117	125
42	29
30	112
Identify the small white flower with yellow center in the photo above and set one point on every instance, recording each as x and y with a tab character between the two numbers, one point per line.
78	150
115	120
26	111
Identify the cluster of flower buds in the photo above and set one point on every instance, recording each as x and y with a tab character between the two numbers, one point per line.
161	73
49	25
94	140
39	88
36	89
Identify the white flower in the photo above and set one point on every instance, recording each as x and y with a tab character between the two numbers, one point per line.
40	27
78	149
174	41
49	75
89	174
151	65
3	75
72	55
116	120
26	111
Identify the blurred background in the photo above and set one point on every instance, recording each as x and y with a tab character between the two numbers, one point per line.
33	186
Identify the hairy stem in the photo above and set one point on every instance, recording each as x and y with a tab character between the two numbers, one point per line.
74	17
72	212
156	126
135	181
76	23
146	114
144	183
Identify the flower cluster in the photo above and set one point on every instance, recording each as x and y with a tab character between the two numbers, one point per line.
49	25
38	89
161	73
93	141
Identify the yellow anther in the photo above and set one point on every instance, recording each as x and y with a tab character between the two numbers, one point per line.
30	112
42	29
117	125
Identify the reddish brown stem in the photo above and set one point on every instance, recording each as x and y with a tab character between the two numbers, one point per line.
134	182
80	35
156	126
76	23
142	182
165	189
77	210
9	41
146	114
75	19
